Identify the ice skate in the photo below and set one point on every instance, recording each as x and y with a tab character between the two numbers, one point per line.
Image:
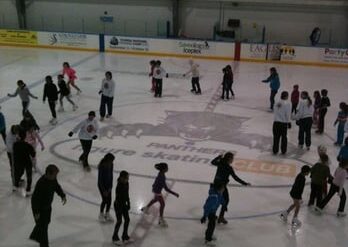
74	108
284	216
209	243
128	241
117	242
108	217
341	214
318	211
61	109
163	223
296	222
145	210
101	218
222	220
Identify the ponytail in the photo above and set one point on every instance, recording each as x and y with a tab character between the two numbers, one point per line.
309	101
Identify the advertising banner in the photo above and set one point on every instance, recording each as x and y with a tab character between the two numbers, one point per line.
253	51
126	43
18	37
72	40
334	55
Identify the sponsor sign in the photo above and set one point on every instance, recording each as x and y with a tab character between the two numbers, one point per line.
64	39
127	43
18	37
273	52
335	55
287	53
195	47
254	51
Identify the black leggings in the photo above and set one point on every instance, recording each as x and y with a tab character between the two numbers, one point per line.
106	201
52	105
121	211
211	227
86	148
19	171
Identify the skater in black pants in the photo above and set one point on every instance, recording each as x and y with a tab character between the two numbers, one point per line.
88	130
107	92
51	92
11	138
304	117
3	126
227	82
41	203
122	207
324	104
159	74
214	200
320	173
282	113
64	91
105	180
23	153
224	170
337	186
274	84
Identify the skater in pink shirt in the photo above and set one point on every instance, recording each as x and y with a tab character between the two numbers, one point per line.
71	73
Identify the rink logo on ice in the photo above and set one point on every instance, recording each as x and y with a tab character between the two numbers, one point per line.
67	39
126	43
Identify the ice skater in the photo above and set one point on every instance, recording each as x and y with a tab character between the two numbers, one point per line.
157	187
295	98
33	137
71	73
324	104
11	138
274	81
316	105
64	92
343	153
29	121
41	204
105	181
122	207
2	126
51	93
341	121
23	153
320	173
224	170
88	130
281	124
159	74
194	71
213	202
304	118
296	195
337	186
152	68
227	82
24	93
107	92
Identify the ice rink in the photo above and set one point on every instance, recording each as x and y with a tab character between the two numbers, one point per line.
182	129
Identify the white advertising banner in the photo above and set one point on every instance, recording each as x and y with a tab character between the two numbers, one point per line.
334	55
253	51
68	40
170	47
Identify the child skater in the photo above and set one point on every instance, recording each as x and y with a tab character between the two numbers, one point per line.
214	200
341	121
64	91
158	185
317	100
71	73
152	68
320	173
11	138
122	207
24	93
105	180
195	77
107	92
51	93
273	79
322	150
337	186
324	104
159	73
33	137
227	82
295	98
296	195
224	170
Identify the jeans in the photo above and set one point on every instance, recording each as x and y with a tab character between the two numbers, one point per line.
280	131
52	105
106	102
121	211
340	132
272	96
86	148
211	227
333	190
25	107
40	231
304	134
